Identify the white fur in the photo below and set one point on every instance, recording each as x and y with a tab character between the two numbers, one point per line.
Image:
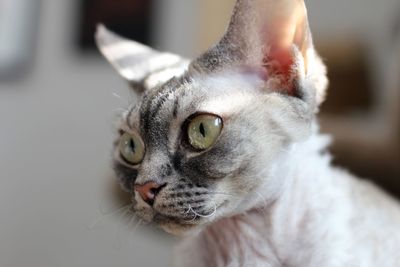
291	208
324	217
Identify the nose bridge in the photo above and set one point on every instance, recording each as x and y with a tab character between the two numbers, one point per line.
152	168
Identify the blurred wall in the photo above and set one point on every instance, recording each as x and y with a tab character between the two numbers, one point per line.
56	133
56	129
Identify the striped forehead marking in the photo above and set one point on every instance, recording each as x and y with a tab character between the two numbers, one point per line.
155	127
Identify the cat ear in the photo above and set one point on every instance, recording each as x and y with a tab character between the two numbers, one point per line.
142	66
271	38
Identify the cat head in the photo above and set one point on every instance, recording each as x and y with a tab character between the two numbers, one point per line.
202	139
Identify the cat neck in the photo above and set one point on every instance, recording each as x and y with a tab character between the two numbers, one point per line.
271	229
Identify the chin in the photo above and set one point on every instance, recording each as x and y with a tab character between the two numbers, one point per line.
180	229
180	223
176	226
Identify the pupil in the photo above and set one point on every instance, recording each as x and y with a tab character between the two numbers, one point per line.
132	145
202	130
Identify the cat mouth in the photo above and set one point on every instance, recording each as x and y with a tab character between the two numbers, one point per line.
160	218
189	220
180	220
152	215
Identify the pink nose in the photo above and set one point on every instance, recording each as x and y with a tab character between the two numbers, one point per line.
148	191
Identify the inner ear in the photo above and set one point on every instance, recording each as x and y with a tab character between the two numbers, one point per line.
270	36
285	39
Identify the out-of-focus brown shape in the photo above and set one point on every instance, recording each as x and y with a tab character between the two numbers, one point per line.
130	18
349	85
364	121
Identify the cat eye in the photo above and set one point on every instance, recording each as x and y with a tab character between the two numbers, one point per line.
131	148
203	131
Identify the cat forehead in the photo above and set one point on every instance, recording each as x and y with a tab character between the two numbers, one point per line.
220	94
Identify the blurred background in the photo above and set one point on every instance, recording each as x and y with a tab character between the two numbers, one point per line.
59	203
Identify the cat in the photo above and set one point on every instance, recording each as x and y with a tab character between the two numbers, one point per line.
225	150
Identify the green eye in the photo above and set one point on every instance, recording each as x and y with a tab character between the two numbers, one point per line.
131	148
203	131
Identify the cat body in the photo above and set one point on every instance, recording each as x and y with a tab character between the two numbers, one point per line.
324	217
225	150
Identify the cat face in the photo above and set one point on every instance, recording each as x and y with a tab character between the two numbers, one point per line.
199	185
202	140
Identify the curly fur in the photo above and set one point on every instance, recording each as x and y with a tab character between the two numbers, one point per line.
265	194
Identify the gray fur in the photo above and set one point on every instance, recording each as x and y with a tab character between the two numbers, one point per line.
264	194
260	122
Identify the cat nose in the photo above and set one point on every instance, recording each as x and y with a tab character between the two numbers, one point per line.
148	191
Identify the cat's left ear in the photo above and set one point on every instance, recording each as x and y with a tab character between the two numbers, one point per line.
271	38
142	66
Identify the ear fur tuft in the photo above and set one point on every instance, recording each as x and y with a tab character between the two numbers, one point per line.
137	63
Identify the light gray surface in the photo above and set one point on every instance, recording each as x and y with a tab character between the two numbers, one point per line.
55	139
18	27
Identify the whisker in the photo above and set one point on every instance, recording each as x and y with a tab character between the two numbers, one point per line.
111	209
139	222
119	110
132	219
206	215
125	101
119	97
261	197
120	237
262	208
258	195
187	212
135	228
116	95
107	214
197	214
223	193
